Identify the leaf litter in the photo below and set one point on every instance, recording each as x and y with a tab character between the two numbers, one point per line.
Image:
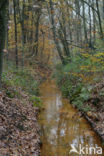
19	130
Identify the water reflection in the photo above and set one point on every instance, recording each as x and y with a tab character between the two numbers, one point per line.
61	124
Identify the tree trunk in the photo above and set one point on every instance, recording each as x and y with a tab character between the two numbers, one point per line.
84	23
23	32
54	32
15	24
7	33
90	27
37	33
99	19
78	30
3	9
94	24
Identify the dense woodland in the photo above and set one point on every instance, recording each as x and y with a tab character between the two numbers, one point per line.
31	29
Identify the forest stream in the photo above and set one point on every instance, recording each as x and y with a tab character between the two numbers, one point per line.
62	125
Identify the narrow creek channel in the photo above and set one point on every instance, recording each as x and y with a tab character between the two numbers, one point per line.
61	125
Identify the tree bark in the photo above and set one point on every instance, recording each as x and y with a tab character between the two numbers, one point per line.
54	32
94	24
23	32
90	27
15	25
99	19
37	33
103	8
84	23
3	10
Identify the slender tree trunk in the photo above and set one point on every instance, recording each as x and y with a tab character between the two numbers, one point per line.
94	23
69	21
15	24
90	27
37	33
84	23
103	9
21	18
54	32
99	19
78	20
7	33
62	36
43	47
23	32
3	10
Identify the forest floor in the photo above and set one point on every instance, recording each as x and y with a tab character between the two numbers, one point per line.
19	129
96	115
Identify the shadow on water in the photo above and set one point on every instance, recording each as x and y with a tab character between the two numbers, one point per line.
61	125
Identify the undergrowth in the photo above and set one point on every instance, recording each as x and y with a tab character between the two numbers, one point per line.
21	79
78	77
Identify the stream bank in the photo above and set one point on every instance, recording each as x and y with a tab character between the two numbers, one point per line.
96	115
19	108
84	93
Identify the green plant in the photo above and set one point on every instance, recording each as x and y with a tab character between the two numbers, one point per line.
72	83
20	79
36	101
87	108
78	103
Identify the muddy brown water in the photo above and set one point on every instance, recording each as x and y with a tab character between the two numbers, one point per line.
62	126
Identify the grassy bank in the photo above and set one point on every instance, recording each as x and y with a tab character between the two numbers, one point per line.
78	78
81	80
18	81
